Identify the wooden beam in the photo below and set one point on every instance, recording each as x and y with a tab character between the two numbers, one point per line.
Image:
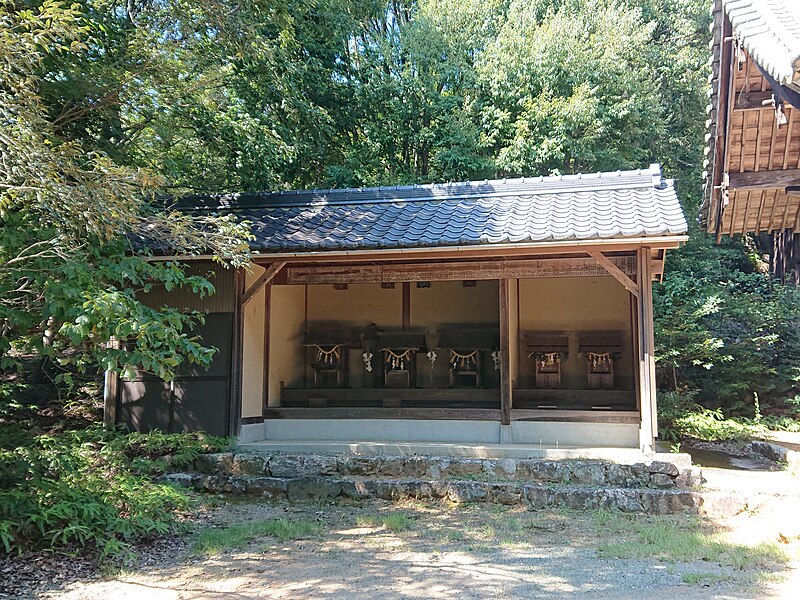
764	179
752	100
456	271
506	400
263	279
615	272
481	414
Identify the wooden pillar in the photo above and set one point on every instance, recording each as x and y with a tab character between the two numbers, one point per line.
235	404
265	385
505	366
110	399
406	306
646	351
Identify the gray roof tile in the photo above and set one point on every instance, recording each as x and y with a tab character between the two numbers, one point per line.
571	207
770	31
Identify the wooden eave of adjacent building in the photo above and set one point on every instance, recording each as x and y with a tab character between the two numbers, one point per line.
754	159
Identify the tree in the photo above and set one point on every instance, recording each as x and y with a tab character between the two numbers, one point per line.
75	225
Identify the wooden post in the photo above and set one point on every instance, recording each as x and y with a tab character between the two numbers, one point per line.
505	367
265	385
110	399
111	392
406	306
235	404
646	343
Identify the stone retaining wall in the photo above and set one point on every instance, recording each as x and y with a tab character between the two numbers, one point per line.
538	496
656	474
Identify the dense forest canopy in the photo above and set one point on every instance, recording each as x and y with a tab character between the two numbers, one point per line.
105	103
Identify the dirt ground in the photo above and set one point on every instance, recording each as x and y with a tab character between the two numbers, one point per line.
440	551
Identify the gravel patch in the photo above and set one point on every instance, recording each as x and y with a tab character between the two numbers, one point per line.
471	551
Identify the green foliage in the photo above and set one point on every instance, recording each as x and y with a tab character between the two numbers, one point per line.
90	489
725	328
75	220
106	104
215	541
680	416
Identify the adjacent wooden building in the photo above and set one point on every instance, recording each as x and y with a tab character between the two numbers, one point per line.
753	156
514	311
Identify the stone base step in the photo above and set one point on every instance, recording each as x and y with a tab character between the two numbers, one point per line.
533	495
462	450
653	474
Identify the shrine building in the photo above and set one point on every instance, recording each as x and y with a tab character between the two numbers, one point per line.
514	311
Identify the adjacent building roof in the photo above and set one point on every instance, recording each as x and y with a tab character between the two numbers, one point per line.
770	32
752	148
622	204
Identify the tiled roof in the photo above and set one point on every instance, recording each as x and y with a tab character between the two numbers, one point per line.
598	206
770	31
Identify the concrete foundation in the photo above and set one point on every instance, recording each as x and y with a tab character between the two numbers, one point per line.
538	433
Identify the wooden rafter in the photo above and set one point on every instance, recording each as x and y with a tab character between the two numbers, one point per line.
263	279
615	272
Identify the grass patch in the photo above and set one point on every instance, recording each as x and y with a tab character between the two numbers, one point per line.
215	541
683	540
705	578
393	521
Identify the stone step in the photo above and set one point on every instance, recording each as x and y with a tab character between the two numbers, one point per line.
532	495
654	474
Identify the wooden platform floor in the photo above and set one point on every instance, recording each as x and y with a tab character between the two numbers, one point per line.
449	403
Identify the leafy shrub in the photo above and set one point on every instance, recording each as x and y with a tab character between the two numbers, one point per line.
91	489
681	417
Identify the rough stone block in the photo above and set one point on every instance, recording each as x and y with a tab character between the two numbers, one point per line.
551	471
626	500
267	486
304	465
392	466
219	463
388	489
437	467
463	466
660	480
663	468
313	488
356	490
183	480
358	465
629	476
538	496
467	491
690	478
505	493
588	473
250	465
416	466
426	490
770	451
